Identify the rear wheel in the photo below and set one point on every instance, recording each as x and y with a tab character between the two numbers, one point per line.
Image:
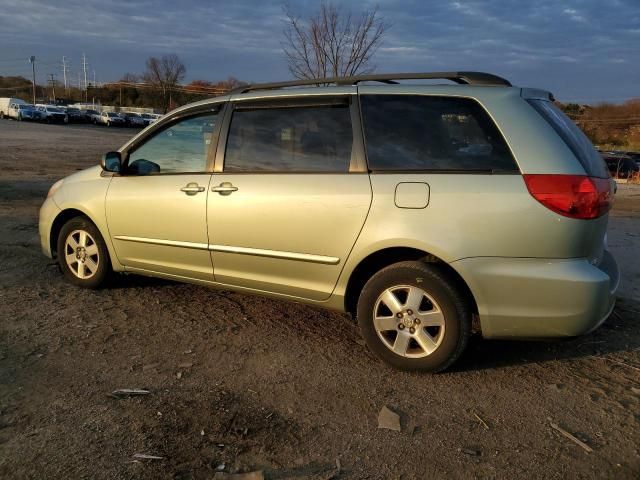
82	253
413	316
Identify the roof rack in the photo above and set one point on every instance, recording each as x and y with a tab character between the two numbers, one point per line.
463	78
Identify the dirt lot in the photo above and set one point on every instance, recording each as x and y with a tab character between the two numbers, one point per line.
257	384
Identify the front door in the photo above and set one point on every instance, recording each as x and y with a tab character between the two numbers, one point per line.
156	210
290	202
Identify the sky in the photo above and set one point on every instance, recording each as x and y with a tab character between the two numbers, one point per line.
584	51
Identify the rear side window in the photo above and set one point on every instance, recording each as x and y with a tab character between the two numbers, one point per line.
573	137
290	139
430	133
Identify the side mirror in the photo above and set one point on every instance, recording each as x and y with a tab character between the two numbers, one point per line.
111	162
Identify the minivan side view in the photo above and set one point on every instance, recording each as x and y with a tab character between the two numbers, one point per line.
426	211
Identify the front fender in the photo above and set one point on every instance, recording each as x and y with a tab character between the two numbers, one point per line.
86	192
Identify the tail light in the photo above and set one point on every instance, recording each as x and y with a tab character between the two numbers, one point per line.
574	196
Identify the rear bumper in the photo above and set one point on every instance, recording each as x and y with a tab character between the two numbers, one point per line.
540	298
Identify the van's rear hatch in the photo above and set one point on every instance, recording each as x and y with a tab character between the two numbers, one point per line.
587	198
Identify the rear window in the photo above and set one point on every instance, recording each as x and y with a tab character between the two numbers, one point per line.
431	133
573	137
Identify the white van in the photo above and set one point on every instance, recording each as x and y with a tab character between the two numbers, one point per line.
6	102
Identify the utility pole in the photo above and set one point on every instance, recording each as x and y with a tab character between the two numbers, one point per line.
32	59
94	79
84	68
64	73
53	86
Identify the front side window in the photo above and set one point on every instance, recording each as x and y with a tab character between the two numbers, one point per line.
431	133
180	148
290	139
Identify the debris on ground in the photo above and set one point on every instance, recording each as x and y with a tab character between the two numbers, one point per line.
128	392
146	456
571	437
484	424
470	451
389	419
257	475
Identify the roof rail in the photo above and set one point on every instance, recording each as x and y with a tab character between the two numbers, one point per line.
464	78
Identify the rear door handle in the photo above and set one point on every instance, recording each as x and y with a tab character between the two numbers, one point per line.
192	188
225	188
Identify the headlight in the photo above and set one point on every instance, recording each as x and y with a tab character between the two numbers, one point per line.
54	188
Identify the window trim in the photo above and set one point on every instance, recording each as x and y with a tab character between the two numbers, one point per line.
434	171
357	163
201	110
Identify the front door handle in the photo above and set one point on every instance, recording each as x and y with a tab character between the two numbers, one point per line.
192	188
225	188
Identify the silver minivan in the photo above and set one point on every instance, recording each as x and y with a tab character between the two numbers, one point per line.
426	211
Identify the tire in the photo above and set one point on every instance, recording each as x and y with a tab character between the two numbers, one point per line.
400	335
108	124
82	254
1	115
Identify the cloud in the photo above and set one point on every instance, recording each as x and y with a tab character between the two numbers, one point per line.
565	45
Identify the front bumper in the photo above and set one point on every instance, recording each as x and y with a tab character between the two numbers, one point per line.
48	212
540	298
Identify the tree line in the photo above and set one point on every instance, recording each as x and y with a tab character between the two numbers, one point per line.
608	125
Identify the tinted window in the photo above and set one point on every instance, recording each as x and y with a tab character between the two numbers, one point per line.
432	133
573	137
295	139
182	147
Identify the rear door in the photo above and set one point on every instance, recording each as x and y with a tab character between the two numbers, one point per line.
290	195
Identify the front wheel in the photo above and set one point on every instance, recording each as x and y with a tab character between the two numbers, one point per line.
413	316
82	253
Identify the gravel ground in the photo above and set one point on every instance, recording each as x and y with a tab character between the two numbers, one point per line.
257	384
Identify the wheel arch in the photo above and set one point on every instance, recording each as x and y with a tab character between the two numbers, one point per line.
382	258
63	217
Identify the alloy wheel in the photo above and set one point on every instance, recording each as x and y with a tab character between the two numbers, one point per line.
81	254
409	321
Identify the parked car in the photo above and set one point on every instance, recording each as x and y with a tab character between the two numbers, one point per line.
6	102
23	111
110	119
75	115
621	166
133	119
149	118
426	211
90	116
52	114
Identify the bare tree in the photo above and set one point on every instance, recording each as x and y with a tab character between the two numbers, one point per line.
332	42
164	74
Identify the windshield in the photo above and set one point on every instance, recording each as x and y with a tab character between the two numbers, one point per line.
146	115
54	110
112	114
73	110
